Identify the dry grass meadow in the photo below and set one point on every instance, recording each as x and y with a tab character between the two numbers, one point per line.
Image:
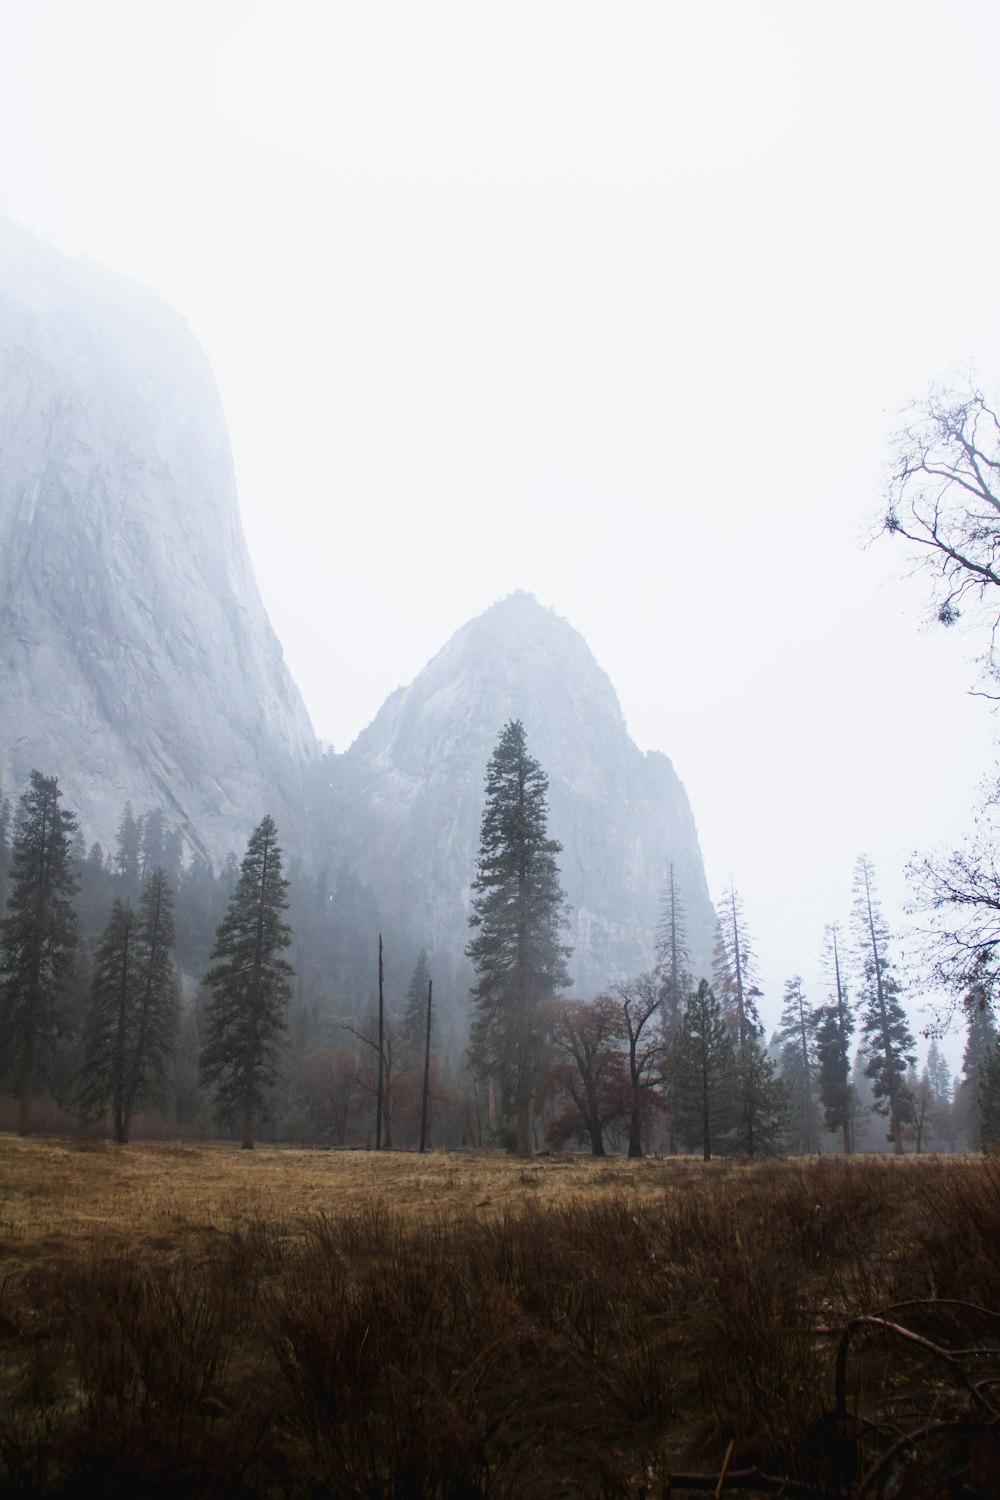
197	1320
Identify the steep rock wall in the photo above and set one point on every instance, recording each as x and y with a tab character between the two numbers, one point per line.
136	658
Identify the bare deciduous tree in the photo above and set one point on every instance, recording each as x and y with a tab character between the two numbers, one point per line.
944	500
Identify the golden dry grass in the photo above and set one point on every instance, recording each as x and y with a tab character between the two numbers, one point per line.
193	1319
57	1194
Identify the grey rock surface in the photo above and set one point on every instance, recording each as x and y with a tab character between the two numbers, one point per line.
411	795
136	659
137	662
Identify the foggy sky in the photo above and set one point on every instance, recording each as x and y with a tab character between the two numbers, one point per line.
618	304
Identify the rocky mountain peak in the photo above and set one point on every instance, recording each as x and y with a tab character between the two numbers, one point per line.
136	659
412	795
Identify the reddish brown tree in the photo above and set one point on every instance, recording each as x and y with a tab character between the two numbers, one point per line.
588	1077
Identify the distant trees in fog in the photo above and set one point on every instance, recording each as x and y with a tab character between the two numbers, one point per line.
104	1014
38	936
249	987
133	1008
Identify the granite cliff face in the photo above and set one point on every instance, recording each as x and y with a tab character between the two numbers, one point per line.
136	658
411	797
137	663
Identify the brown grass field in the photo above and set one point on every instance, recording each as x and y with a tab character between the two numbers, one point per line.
197	1320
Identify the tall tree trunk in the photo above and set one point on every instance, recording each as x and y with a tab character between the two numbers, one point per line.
425	1096
705	1113
635	1111
380	1093
848	1133
738	958
25	1099
890	1068
248	1128
525	1146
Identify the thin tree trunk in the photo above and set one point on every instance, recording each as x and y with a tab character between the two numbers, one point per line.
248	1129
118	1057
635	1112
380	1094
848	1105
741	1003
705	1123
525	1144
890	1071
425	1098
25	1099
811	1142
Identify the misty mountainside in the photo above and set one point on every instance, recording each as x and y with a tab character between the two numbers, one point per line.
410	796
136	658
137	664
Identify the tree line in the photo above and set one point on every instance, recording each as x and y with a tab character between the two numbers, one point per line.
660	1061
666	1059
91	990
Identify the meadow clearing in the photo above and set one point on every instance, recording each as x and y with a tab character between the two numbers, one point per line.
192	1319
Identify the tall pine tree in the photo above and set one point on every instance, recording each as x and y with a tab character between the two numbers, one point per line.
886	1036
761	1097
672	961
706	1075
517	914
834	1029
38	937
733	969
250	986
413	1027
132	1018
980	1048
797	1035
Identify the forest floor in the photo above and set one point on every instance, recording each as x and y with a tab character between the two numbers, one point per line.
194	1319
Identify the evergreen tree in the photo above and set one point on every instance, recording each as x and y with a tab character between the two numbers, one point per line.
705	1071
886	1036
152	843
672	960
38	937
762	1098
733	969
673	974
127	850
980	1045
940	1091
5	850
864	1101
413	1027
797	1035
113	994
989	1100
834	1029
517	913
132	1020
250	986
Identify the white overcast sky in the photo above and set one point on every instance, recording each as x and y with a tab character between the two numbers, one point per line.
617	303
